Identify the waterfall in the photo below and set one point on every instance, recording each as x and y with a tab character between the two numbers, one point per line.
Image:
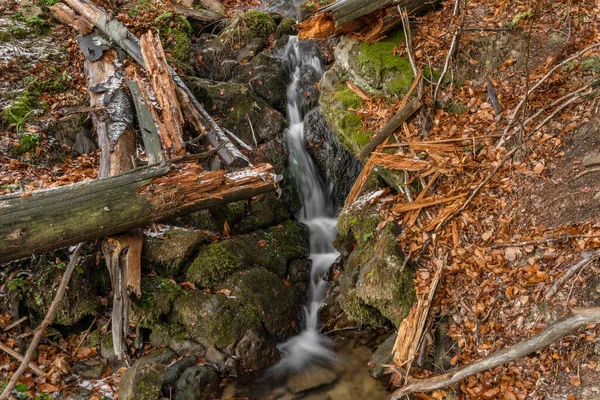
309	346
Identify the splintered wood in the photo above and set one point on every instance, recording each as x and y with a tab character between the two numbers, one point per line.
167	112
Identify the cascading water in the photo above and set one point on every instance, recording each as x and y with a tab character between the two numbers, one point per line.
309	346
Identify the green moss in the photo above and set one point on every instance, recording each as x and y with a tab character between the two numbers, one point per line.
286	27
378	59
39	25
155	302
47	3
251	24
28	142
17	32
176	37
4	37
348	98
217	261
22	110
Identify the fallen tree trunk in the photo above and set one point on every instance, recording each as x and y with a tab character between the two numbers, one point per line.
367	18
193	110
54	218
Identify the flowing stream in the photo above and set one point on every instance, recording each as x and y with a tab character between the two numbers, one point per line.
316	213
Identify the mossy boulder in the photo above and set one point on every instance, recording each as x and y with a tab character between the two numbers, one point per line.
155	302
143	381
256	351
276	152
265	211
214	319
277	303
377	284
267	77
239	109
79	299
272	249
169	253
176	338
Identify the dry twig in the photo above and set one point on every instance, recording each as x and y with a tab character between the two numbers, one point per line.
19	357
587	257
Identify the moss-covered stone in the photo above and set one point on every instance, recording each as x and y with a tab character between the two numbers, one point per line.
286	27
28	142
251	24
240	110
376	284
232	213
22	109
143	381
168	255
276	303
265	211
39	25
155	302
272	249
214	320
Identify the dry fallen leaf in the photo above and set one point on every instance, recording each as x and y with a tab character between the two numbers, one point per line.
575	381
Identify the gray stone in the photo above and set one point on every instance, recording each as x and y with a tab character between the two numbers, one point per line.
255	352
199	382
591	160
311	379
30	10
267	77
383	355
84	142
168	254
143	381
216	357
162	355
175	370
90	369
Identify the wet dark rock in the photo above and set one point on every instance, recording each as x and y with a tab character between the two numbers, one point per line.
299	273
265	211
239	110
169	253
216	357
307	85
311	379
90	369
175	370
162	355
251	49
339	166
143	381
199	382
276	303
383	355
275	152
255	351
267	77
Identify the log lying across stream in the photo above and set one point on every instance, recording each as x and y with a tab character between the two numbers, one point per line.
49	219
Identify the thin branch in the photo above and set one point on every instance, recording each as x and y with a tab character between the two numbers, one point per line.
562	238
47	321
587	257
575	319
17	322
408	37
19	357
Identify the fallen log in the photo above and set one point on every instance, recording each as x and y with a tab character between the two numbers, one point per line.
55	218
366	18
193	110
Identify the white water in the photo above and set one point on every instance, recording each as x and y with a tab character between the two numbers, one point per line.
309	347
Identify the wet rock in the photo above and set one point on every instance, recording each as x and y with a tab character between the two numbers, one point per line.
216	357
267	77
265	211
299	273
311	379
175	370
143	381
174	335
199	382
272	249
308	86
275	152
161	356
339	166
254	351
376	284
383	355
251	49
155	302
276	303
90	369
211	62
168	254
286	28
240	110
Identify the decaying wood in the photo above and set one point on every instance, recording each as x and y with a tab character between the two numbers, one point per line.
192	109
401	162
366	18
410	331
69	17
59	217
167	113
148	126
417	205
398	119
575	319
39	332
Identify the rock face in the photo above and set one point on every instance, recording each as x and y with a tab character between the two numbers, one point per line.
376	285
267	77
168	254
339	165
383	355
143	381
